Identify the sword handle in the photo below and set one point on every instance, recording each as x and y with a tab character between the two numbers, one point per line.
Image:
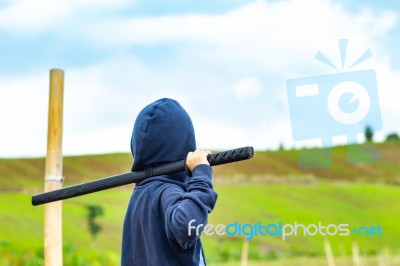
231	156
228	156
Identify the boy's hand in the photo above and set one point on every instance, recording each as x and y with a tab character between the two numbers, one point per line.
197	157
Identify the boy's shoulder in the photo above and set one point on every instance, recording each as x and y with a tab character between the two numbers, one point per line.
161	183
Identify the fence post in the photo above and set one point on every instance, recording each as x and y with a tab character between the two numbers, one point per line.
328	253
53	171
356	254
245	252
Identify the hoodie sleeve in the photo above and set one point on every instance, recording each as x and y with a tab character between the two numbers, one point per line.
182	209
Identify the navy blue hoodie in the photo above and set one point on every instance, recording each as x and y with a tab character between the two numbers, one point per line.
155	229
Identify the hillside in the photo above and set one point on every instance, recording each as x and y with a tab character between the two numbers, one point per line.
269	188
21	230
265	167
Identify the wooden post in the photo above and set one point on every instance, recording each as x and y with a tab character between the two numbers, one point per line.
245	252
53	171
356	254
328	252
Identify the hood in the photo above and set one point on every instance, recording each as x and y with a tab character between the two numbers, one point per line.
163	133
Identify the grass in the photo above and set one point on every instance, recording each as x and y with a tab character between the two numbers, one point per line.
317	261
270	188
355	204
265	167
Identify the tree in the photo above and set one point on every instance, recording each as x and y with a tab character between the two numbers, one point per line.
94	211
369	133
392	137
281	147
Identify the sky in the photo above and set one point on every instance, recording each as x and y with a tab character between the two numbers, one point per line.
226	62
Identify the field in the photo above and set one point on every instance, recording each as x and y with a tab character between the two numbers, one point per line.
270	188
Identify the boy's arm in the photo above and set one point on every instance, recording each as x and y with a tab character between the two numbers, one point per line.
185	211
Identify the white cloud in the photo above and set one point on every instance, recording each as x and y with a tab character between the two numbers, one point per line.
279	37
246	88
388	88
23	109
228	70
111	139
30	16
275	38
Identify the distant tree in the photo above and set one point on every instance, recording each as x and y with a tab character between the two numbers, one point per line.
392	137
94	211
369	134
281	147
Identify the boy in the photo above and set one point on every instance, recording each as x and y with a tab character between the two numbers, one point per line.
155	231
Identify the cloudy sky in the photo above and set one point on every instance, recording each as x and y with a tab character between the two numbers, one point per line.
225	61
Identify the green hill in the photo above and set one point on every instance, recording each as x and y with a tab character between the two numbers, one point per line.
265	167
270	188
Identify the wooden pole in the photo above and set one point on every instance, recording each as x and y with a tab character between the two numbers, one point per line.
356	254
53	171
245	252
328	252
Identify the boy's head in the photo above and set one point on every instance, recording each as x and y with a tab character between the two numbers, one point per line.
163	133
